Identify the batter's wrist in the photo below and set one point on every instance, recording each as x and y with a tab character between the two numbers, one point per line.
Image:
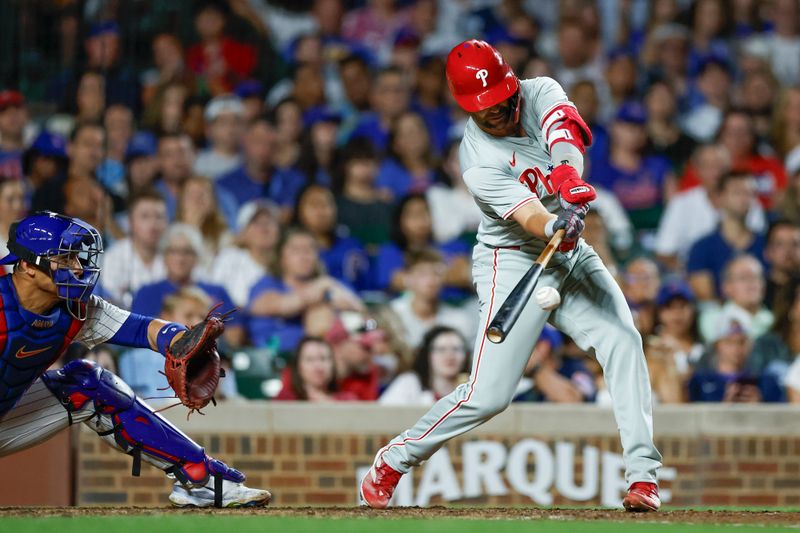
549	229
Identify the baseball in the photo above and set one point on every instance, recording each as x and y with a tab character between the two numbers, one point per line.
548	298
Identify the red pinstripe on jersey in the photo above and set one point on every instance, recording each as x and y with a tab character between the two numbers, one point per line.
477	367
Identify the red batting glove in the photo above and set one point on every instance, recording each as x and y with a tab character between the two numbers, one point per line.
570	187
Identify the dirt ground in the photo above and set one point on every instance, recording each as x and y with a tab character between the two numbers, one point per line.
678	516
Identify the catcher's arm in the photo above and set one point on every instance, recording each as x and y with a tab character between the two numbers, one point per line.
155	327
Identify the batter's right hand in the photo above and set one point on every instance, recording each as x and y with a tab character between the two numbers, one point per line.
571	221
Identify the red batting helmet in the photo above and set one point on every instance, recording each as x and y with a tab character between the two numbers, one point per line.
478	76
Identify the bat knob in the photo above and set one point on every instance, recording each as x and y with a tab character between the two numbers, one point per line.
495	335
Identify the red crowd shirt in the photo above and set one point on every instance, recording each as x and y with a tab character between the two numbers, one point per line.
239	63
769	174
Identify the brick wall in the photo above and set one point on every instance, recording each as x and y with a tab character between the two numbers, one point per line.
320	467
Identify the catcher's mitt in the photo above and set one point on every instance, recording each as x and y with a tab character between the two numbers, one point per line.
192	364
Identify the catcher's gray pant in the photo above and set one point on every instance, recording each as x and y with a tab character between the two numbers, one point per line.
39	415
593	312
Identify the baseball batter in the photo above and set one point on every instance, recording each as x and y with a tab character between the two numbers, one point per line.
45	305
522	158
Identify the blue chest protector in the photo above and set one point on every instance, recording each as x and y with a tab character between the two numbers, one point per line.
29	343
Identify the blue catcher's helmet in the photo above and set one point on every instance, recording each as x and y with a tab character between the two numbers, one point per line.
46	237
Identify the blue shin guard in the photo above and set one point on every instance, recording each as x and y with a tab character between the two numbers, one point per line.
134	427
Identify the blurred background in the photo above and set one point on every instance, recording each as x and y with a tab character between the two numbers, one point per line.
298	160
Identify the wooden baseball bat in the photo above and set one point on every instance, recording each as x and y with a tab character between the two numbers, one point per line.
509	312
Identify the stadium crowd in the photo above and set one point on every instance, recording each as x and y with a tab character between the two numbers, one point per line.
299	161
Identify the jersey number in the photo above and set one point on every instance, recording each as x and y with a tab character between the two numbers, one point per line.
532	176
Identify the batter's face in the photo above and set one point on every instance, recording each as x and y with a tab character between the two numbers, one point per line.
499	120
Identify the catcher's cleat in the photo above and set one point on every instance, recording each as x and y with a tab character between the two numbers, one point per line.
379	483
642	497
233	495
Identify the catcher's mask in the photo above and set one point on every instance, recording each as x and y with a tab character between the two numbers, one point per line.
46	238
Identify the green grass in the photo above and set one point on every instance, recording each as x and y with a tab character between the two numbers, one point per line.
265	524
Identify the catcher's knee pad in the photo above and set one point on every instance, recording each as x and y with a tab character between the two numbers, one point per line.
136	429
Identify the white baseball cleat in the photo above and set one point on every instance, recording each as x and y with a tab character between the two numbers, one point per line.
233	495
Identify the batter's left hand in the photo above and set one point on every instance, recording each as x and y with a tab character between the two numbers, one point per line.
569	186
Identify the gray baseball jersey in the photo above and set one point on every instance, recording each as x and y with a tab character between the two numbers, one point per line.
503	174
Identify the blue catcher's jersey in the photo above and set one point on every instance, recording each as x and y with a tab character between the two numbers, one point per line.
29	343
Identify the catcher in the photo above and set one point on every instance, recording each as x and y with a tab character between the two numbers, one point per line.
46	304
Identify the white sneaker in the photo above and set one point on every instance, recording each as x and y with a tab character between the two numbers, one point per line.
233	495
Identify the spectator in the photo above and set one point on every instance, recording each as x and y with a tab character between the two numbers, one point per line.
295	284
223	117
318	142
553	375
664	135
709	23
363	208
743	293
182	249
596	235
165	113
641	282
389	98
90	97
343	257
143	369
355	75
584	96
420	308
142	162
169	73
85	150
694	213
726	379
737	135
784	43
13	119
676	348
176	157
430	100
219	61
118	123
665	55
198	206
313	374
103	55
308	87
374	25
135	261
354	338
412	230
709	255
257	176
45	160
782	254
575	58
251	93
758	95
619	79
453	211
411	165
711	98
785	134
12	208
239	266
288	119
775	352
789	206
641	182
440	364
